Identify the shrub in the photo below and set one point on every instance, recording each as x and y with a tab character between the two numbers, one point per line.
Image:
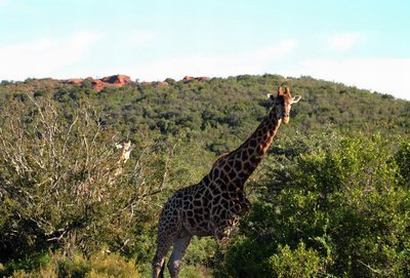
296	263
64	184
343	206
111	265
99	264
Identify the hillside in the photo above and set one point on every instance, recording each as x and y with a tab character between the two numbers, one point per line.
331	198
231	106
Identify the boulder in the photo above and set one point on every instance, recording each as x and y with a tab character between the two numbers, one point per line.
118	80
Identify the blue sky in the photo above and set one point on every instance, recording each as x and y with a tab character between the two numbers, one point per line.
362	43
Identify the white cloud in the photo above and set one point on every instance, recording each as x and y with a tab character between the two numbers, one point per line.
44	57
382	75
254	62
343	41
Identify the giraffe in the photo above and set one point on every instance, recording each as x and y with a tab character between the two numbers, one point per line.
214	205
117	169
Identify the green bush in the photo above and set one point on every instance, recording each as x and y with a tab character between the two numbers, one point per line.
296	263
111	265
343	202
77	266
64	184
403	161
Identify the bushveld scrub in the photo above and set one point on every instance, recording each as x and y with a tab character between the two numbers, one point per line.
340	210
332	198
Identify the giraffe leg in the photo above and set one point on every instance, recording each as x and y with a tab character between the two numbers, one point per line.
180	245
159	259
168	231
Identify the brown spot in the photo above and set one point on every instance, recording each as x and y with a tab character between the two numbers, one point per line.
225	178
191	221
232	174
247	165
266	128
223	186
215	173
227	168
237	181
237	165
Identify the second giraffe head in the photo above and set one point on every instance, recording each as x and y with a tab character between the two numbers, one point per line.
283	102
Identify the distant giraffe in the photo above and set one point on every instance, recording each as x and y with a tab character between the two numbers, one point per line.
117	168
213	206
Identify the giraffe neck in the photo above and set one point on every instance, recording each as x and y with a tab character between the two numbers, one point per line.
235	168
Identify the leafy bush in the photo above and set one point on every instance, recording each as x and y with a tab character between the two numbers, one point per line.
77	266
403	161
64	184
296	263
112	265
343	203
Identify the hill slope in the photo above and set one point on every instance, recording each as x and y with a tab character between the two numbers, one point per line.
331	197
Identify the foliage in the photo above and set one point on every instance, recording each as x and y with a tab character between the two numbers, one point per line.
63	184
331	198
344	203
295	263
98	265
403	161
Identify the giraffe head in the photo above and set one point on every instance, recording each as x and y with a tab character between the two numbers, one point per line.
283	102
125	148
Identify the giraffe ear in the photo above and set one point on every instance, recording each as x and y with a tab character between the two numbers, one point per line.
287	91
280	91
271	97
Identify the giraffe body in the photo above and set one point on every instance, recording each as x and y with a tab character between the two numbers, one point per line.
214	206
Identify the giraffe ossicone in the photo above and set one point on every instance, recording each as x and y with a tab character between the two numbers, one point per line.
214	206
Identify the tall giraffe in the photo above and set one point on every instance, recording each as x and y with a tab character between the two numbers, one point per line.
213	206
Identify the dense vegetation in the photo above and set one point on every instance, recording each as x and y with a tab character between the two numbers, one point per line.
331	199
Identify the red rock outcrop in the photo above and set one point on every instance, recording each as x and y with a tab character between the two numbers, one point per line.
118	80
75	81
187	79
98	85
